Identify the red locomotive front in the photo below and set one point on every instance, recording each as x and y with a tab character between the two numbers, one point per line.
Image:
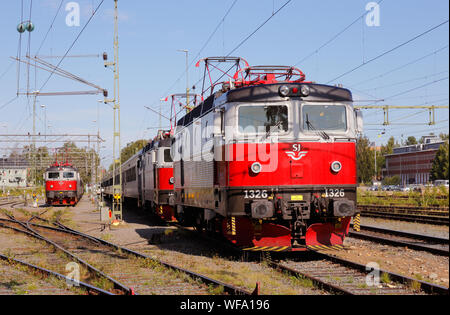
269	162
63	185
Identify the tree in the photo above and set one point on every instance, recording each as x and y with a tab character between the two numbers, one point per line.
444	136
385	149
131	149
393	180
365	160
439	169
411	140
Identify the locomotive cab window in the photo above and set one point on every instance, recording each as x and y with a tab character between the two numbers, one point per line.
53	175
257	119
167	157
68	175
324	117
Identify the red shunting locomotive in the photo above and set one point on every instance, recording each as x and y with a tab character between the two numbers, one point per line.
63	185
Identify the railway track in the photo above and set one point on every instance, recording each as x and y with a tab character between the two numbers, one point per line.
45	287
434	245
116	261
410	214
349	278
340	276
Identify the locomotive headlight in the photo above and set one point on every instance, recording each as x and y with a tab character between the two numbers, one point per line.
284	90
70	186
51	186
336	166
305	90
256	167
172	180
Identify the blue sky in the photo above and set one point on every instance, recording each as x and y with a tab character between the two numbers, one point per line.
152	31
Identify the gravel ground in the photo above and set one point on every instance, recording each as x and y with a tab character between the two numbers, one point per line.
15	280
415	264
411	227
184	250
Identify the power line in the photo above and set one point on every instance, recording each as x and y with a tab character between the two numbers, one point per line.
401	67
50	28
389	51
334	37
407	81
71	46
251	34
259	27
416	88
204	45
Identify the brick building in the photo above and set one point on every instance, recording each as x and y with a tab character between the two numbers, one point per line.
413	163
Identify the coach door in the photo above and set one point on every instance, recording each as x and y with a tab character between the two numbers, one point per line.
139	182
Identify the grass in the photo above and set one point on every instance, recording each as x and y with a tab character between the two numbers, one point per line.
385	278
430	197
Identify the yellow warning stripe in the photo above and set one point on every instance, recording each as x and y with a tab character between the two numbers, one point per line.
267	248
326	247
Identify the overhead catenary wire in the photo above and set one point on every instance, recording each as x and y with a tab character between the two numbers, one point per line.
73	44
401	67
251	34
389	51
50	27
333	38
258	28
203	47
416	88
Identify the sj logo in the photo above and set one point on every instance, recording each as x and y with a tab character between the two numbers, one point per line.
296	153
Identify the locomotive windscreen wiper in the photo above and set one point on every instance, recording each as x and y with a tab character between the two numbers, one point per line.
269	131
321	133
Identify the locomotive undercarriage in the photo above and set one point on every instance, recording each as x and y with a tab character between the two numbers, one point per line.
298	217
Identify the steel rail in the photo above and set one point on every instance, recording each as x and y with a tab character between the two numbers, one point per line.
393	242
89	288
407	218
231	289
207	280
33	233
427	287
317	282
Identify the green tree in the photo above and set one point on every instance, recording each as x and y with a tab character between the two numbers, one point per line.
393	180
411	140
385	149
365	160
444	136
131	149
439	169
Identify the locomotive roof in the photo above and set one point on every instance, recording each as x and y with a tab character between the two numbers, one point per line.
61	168
266	92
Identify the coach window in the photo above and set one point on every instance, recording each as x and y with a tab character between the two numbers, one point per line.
324	117
258	118
167	157
68	175
53	175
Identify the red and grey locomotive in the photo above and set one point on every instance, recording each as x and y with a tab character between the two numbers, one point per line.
63	185
268	162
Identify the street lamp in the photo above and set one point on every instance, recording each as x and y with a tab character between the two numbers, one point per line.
187	77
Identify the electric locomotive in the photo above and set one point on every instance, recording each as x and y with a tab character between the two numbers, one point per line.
147	178
63	185
269	161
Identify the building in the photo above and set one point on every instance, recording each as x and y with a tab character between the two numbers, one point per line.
413	163
13	173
